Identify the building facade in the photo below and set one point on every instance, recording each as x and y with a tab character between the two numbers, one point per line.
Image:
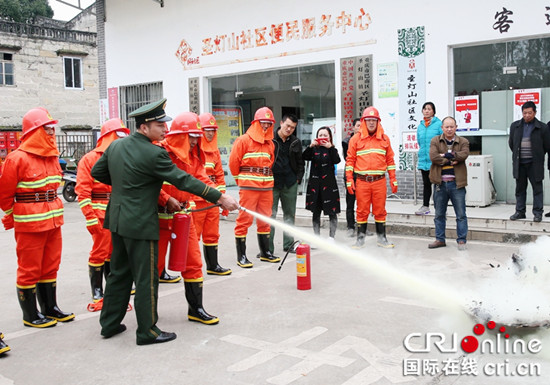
326	61
51	64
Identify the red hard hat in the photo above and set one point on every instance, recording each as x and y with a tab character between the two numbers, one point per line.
264	114
36	118
208	121
370	113
113	125
186	123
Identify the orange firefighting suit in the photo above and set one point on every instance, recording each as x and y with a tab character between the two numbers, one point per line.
250	162
213	168
93	197
370	156
28	195
178	149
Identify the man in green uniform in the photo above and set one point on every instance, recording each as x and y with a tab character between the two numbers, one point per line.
136	169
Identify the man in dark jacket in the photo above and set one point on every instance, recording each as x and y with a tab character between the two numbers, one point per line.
288	171
529	141
136	169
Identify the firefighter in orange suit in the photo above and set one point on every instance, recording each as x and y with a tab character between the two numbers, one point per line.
3	346
164	277
251	161
369	157
182	144
207	222
28	195
93	197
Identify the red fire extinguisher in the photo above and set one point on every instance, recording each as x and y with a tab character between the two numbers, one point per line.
179	242
303	267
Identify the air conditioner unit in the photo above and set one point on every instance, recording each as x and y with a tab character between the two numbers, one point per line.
481	190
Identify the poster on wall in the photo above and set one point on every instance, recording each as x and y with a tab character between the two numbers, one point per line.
230	127
112	95
387	80
356	80
412	83
103	111
467	112
522	96
408	139
194	95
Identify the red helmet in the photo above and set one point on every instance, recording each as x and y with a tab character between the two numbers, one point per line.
113	125
36	118
208	121
264	114
370	113
186	123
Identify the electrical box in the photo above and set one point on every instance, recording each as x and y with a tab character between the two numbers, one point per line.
481	190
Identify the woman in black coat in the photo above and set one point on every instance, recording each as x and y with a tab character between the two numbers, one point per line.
322	189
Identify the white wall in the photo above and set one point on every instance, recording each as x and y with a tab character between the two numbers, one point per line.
142	39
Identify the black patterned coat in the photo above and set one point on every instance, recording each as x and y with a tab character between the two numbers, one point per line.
322	179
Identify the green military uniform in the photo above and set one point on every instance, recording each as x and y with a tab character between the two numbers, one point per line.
136	169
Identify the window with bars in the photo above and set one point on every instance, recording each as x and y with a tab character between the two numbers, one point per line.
72	69
6	69
134	96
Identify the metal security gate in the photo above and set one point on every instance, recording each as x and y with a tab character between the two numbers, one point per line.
74	146
134	96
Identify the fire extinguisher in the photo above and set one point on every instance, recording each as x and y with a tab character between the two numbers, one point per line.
179	243
303	267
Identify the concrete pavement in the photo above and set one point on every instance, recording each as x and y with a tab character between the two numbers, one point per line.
349	329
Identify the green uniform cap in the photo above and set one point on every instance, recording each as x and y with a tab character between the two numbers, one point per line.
151	112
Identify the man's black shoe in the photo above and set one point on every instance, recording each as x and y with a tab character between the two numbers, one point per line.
517	215
163	337
120	329
547	214
537	218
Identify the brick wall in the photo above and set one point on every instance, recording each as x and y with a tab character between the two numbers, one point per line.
101	57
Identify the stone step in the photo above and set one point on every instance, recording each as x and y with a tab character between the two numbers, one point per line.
481	229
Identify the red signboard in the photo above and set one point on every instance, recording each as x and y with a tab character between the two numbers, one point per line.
467	104
521	97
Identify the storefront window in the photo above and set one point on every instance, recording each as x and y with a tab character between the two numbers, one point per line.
502	66
307	92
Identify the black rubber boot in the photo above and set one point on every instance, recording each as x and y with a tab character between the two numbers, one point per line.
3	346
211	258
242	261
107	269
31	316
381	234
361	232
96	282
265	254
167	278
193	294
48	302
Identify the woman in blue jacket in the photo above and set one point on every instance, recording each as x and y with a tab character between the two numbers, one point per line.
429	127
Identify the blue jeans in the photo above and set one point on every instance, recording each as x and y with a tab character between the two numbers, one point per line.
442	194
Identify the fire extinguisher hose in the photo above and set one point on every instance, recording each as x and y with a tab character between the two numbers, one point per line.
292	247
203	209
